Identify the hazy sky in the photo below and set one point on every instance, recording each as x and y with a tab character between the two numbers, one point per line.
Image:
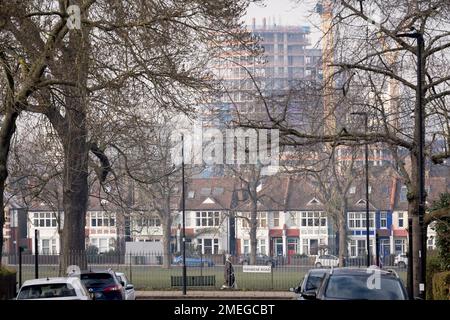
286	12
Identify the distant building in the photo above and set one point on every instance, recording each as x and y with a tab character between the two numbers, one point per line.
102	229
15	227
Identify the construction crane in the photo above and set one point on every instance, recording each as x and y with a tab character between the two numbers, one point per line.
325	9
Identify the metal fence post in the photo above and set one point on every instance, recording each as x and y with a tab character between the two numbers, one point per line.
20	266
36	254
271	274
377	249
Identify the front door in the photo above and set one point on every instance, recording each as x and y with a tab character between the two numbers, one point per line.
314	247
278	246
292	248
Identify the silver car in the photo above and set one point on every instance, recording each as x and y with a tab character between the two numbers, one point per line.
69	288
130	293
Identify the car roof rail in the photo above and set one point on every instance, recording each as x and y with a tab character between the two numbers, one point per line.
392	271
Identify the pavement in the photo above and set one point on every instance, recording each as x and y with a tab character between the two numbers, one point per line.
216	295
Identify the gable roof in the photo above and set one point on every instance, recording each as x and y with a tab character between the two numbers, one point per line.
209	193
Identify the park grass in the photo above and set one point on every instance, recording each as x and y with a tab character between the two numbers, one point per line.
158	278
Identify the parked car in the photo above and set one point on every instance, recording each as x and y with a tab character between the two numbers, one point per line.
194	261
401	260
261	259
130	293
353	284
68	288
326	260
104	285
310	283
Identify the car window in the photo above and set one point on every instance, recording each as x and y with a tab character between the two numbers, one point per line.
356	287
97	279
40	291
313	282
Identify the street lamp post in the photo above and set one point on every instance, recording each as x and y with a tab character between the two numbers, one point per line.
419	138
183	207
366	170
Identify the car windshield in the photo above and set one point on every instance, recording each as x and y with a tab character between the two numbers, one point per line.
41	291
357	287
313	281
97	279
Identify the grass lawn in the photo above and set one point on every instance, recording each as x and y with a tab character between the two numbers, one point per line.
157	278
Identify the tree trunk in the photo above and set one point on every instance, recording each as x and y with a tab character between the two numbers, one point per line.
342	235
253	230
74	135
167	229
75	196
6	133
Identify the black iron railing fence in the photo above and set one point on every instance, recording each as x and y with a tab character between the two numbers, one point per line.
147	272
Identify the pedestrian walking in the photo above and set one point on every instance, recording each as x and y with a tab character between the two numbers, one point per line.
229	277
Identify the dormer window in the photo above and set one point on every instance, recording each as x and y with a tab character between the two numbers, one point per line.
313	201
352	190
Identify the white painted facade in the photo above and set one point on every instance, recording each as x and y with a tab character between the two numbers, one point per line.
262	232
101	230
210	230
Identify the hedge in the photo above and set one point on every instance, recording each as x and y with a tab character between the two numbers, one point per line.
441	286
7	283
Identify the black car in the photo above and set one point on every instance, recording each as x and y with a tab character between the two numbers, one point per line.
310	283
360	284
103	285
261	259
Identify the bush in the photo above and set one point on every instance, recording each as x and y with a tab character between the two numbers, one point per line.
442	227
441	286
7	283
4	271
433	267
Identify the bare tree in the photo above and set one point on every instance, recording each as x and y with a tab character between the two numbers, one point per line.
160	48
369	68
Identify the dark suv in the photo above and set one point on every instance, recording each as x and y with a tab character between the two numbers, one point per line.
103	285
310	283
360	284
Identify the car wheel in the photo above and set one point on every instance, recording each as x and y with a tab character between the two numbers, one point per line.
318	265
401	264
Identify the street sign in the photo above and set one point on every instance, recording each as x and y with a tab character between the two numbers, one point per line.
258	269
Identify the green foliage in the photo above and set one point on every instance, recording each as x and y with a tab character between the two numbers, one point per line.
441	286
91	250
442	227
433	267
110	253
4	271
7	283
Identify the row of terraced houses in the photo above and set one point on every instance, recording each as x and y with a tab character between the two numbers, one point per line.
292	219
